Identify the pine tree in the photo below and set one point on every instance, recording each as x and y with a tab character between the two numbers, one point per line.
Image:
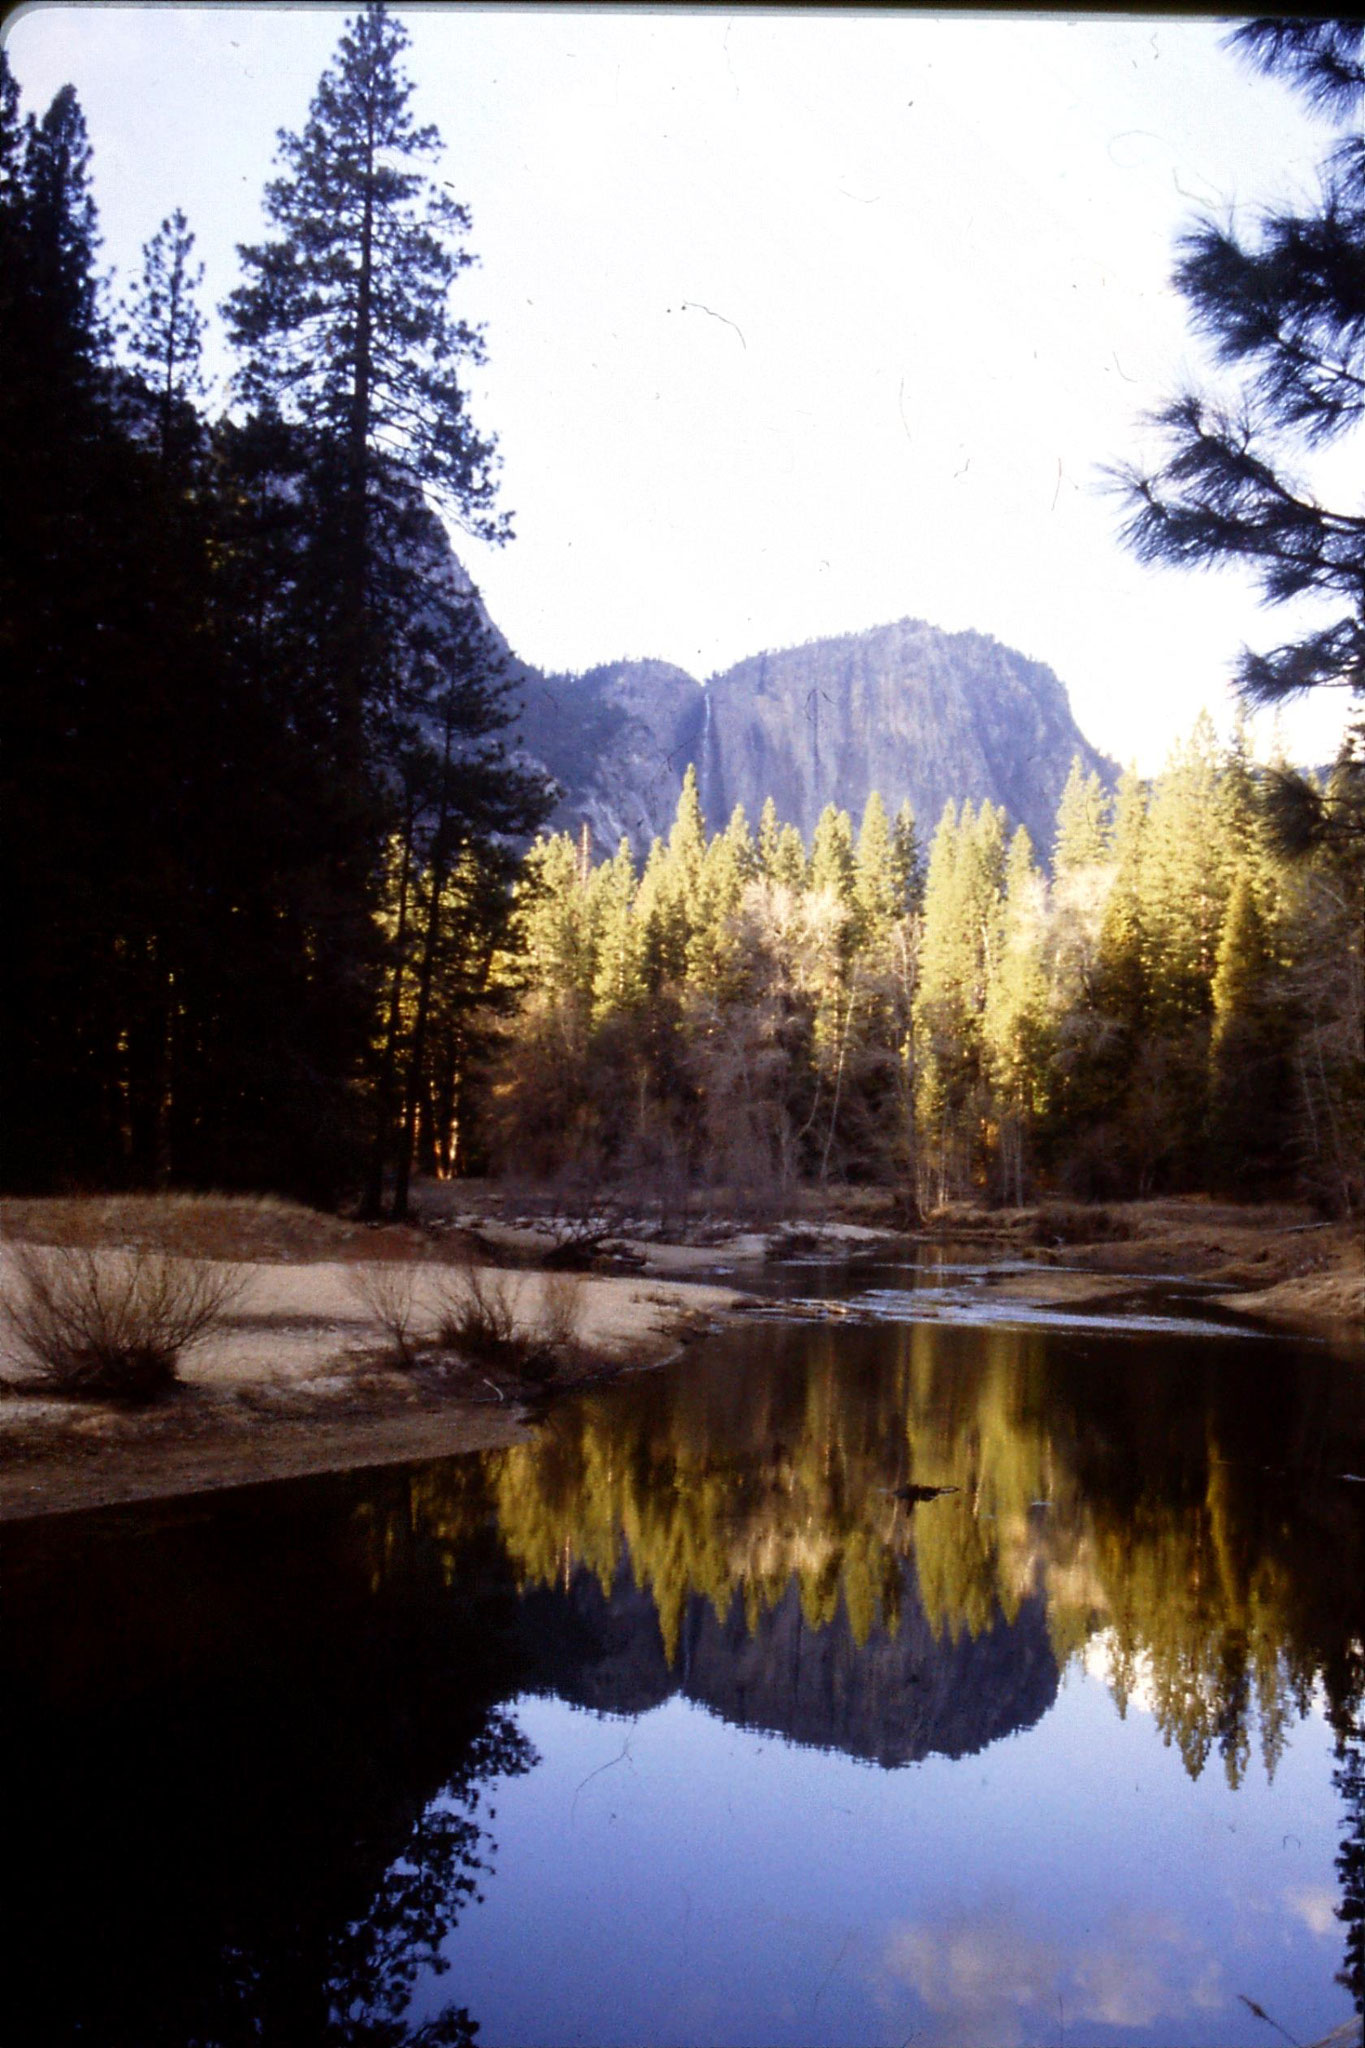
1015	1025
742	846
768	835
907	867
687	837
1082	822
832	866
65	297
345	334
790	866
876	888
1189	852
1282	310
1121	987
344	321
941	1017
553	921
164	333
726	868
618	983
351	357
670	890
1101	1003
958	966
1249	1090
70	595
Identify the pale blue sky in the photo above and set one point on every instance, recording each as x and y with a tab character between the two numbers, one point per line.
797	323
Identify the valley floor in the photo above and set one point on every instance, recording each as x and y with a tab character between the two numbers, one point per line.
299	1377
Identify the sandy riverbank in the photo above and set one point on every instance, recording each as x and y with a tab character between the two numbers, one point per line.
301	1377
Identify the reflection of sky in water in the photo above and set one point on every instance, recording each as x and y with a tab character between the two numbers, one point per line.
968	1308
674	1879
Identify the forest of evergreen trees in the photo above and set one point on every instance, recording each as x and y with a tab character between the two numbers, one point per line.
1176	1006
271	918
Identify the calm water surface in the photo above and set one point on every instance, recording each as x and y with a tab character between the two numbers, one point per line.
681	1724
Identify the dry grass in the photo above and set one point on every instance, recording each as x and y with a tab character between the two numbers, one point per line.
1078	1223
258	1227
112	1324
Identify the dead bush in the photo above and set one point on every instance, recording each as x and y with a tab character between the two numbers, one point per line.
474	1310
387	1291
561	1310
113	1324
476	1318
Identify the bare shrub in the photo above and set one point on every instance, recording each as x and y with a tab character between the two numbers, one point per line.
387	1291
114	1323
474	1311
477	1318
561	1310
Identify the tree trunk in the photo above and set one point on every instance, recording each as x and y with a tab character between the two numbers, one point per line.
417	1050
372	1206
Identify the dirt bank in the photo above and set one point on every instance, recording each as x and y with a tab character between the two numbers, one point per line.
1278	1261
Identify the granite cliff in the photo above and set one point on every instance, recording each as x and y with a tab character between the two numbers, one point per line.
904	709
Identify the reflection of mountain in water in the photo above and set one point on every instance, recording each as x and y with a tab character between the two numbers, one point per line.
896	1698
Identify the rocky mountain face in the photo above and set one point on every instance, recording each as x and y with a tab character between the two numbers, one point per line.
904	709
618	741
892	1700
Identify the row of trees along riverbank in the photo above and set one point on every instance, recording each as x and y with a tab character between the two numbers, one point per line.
259	817
1177	1006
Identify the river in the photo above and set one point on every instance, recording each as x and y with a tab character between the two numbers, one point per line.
927	1669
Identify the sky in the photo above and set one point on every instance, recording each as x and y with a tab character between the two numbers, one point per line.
797	322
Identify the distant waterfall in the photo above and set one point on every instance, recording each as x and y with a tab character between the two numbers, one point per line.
704	778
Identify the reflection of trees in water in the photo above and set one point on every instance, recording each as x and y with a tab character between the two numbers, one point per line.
725	1484
349	1983
1180	1519
256	1767
1185	1522
1347	1692
375	1963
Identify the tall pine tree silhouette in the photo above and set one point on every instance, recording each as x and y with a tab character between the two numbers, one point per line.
344	329
348	341
165	331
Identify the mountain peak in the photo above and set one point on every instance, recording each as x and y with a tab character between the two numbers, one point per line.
903	708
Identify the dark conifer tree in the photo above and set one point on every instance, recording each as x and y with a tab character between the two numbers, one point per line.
344	327
349	346
344	320
164	332
67	595
1284	310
